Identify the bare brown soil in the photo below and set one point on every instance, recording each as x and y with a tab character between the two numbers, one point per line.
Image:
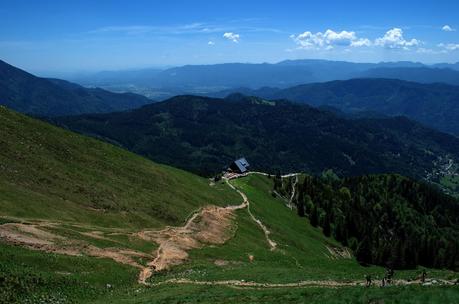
211	225
339	252
34	236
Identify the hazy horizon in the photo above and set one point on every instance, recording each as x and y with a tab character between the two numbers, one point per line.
55	36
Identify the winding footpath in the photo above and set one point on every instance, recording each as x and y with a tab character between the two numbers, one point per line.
271	243
208	225
290	201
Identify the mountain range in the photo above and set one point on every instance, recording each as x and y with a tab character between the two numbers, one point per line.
27	93
103	222
210	78
203	135
435	105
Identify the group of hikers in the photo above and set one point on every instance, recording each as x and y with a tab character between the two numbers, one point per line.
387	279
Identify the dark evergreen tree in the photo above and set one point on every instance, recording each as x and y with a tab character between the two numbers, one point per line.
408	223
314	216
363	252
326	226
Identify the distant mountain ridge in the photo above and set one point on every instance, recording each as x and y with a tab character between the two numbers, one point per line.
27	93
214	77
435	105
415	74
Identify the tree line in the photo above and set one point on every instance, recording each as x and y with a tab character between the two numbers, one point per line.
385	219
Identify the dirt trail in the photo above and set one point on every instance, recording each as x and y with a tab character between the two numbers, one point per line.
241	283
266	174
290	201
271	243
306	283
210	225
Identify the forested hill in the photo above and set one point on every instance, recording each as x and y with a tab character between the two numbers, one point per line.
388	220
205	134
435	105
29	94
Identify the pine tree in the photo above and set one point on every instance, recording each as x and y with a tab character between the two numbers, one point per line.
363	252
314	216
300	208
326	226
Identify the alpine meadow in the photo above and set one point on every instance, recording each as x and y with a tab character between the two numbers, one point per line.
239	152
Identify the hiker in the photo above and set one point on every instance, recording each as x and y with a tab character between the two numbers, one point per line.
423	276
368	279
383	282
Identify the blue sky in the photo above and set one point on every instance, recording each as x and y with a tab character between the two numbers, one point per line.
101	35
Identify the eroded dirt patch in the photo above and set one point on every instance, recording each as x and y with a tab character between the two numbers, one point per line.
34	236
339	252
211	225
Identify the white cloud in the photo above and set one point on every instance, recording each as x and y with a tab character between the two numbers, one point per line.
211	43
449	46
393	39
447	28
329	39
361	42
232	36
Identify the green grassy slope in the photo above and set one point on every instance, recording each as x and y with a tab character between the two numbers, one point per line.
28	276
49	173
50	278
301	256
357	295
301	253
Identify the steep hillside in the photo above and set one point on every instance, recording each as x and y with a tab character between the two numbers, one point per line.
49	173
83	221
27	93
385	219
204	134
